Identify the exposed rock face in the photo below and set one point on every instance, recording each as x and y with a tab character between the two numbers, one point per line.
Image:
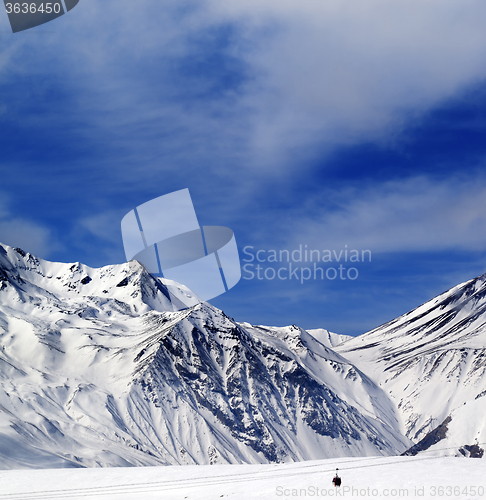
97	370
433	437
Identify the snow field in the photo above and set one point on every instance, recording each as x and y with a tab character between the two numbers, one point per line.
372	477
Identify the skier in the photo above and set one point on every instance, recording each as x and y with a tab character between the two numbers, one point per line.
337	479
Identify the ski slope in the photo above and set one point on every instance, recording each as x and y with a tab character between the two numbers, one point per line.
371	477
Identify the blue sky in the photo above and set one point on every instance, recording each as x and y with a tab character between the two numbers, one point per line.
326	124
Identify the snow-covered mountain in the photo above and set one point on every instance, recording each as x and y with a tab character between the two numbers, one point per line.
432	362
328	338
97	370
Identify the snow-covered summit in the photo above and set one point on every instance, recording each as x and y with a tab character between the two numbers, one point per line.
24	275
432	362
97	370
328	338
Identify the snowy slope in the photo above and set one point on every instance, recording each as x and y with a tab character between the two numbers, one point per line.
97	370
328	338
432	361
375	477
463	432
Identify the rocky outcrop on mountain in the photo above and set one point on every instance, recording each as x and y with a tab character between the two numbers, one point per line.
98	370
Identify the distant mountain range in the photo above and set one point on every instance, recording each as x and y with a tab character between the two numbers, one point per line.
97	370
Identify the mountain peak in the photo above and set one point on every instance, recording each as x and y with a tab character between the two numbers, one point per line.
129	283
98	355
92	356
432	360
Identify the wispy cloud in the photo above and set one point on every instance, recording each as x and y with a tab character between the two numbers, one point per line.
98	237
415	214
24	233
238	100
253	87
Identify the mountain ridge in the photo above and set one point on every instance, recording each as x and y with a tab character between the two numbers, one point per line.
432	361
98	370
96	358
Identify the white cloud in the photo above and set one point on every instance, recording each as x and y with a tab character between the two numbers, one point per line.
343	71
417	214
24	233
104	226
320	74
